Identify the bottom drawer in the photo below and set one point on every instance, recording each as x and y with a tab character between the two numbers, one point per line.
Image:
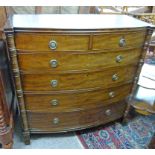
65	121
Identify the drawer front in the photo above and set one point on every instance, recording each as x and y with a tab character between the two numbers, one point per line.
58	42
104	79
71	101
59	122
73	62
122	40
51	42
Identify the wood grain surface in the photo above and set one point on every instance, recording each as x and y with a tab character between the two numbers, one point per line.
108	41
76	62
44	121
99	79
74	101
75	42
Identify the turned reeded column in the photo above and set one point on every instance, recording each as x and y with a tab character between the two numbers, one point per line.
18	86
140	65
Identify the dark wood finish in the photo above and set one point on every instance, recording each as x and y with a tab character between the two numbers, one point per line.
42	122
86	54
6	100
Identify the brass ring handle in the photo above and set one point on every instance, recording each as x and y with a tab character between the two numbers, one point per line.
53	44
122	42
56	120
112	94
119	58
108	112
54	83
115	77
54	63
54	102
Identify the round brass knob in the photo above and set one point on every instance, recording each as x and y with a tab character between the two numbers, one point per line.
54	102
119	58
108	112
54	63
56	120
122	42
54	83
115	77
112	94
53	44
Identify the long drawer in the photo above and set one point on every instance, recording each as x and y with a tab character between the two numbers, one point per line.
57	102
100	79
76	42
64	121
54	62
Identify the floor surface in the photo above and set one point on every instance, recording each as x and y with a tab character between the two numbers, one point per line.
47	141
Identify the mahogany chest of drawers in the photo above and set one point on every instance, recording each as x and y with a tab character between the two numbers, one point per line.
74	71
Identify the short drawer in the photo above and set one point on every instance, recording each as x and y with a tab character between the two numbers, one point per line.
59	122
118	40
53	62
50	42
57	102
100	79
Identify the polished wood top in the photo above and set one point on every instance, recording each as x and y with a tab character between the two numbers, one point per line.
76	21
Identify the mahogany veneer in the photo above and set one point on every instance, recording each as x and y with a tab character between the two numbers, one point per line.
75	74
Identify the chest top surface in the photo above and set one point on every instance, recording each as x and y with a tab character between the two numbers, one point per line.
75	21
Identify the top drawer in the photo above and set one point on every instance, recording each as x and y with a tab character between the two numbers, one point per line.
118	40
72	42
51	42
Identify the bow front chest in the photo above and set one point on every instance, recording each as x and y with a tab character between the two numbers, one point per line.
74	71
